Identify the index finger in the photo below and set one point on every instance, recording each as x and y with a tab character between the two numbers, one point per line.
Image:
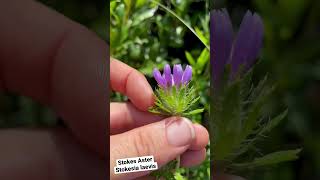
132	83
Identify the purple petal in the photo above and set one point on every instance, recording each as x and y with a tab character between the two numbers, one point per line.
247	44
256	42
221	35
167	75
160	79
177	74
187	74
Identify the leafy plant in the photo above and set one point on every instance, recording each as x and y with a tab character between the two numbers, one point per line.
239	115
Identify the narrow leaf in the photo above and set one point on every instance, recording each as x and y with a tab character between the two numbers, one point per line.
192	102
143	16
201	35
203	59
270	159
190	58
197	111
275	121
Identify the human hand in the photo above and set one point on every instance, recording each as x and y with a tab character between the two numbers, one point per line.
135	132
59	63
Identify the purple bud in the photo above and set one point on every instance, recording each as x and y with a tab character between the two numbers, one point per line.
247	43
167	75
221	37
256	43
177	74
241	52
187	74
160	79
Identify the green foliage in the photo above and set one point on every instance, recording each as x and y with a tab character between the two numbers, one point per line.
167	172
143	36
171	172
239	119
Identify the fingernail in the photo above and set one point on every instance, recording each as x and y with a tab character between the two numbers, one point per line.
180	132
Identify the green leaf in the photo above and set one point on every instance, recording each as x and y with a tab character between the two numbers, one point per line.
203	59
143	16
274	122
270	159
178	176
155	111
226	116
165	172
196	111
190	58
192	102
129	6
257	101
201	35
140	3
112	6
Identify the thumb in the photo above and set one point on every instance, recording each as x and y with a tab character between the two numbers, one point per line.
165	140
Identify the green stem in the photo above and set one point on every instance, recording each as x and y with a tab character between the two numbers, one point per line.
178	163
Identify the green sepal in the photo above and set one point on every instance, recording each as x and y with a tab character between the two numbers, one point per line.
176	101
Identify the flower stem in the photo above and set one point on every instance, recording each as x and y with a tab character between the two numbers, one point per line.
178	163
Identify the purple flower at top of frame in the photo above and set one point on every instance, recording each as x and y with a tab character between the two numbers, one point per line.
241	51
175	78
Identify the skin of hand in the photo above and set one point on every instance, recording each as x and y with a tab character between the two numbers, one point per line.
61	64
136	132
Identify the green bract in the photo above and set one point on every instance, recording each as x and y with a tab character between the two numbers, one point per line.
176	101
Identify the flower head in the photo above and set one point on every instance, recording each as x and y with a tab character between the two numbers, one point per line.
175	95
241	52
177	78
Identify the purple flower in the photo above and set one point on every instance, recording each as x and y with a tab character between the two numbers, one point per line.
187	74
179	77
241	52
159	78
177	74
167	74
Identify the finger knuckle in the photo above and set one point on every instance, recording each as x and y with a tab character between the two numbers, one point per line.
143	143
